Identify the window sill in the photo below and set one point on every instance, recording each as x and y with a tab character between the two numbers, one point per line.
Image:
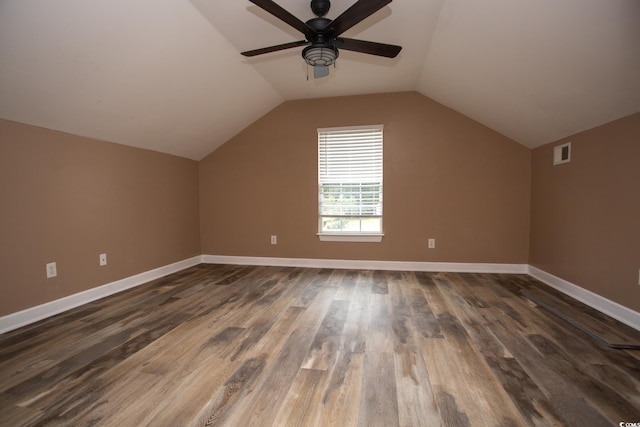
364	238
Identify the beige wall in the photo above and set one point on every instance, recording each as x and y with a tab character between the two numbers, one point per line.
585	216
445	176
66	199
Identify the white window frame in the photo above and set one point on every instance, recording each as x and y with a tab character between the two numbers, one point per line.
349	236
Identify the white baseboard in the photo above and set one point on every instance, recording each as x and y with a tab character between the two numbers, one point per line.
600	303
460	267
33	314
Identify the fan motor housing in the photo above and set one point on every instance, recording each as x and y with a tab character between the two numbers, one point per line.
318	23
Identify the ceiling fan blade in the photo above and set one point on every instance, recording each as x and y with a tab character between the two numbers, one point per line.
356	13
282	14
372	48
275	48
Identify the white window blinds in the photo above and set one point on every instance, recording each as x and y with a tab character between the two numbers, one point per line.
350	179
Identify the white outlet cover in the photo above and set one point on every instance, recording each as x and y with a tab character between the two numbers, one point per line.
103	259
432	243
52	270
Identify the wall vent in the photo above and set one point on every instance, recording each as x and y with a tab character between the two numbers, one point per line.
562	154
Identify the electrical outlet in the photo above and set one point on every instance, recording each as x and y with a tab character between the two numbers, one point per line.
52	270
103	259
274	239
432	243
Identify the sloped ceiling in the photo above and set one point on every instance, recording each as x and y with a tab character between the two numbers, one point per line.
168	75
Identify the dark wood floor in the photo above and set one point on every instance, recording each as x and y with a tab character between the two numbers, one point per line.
242	346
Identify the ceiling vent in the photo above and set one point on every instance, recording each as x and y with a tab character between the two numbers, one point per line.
562	154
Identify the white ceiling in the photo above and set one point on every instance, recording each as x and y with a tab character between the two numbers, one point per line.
168	75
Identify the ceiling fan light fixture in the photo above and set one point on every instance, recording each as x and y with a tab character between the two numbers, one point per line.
320	55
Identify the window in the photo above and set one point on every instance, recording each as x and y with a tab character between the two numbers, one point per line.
350	183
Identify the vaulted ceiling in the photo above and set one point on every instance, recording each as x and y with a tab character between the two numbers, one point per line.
168	75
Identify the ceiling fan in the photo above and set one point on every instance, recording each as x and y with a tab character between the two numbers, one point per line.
322	35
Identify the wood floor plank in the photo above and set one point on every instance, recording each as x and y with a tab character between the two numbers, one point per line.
524	393
301	405
261	346
347	285
566	400
268	310
475	398
602	397
422	316
544	334
355	331
596	363
416	401
533	405
219	410
612	335
610	380
343	391
13	415
324	346
79	391
220	390
495	404
31	387
269	395
380	337
121	406
455	404
379	403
